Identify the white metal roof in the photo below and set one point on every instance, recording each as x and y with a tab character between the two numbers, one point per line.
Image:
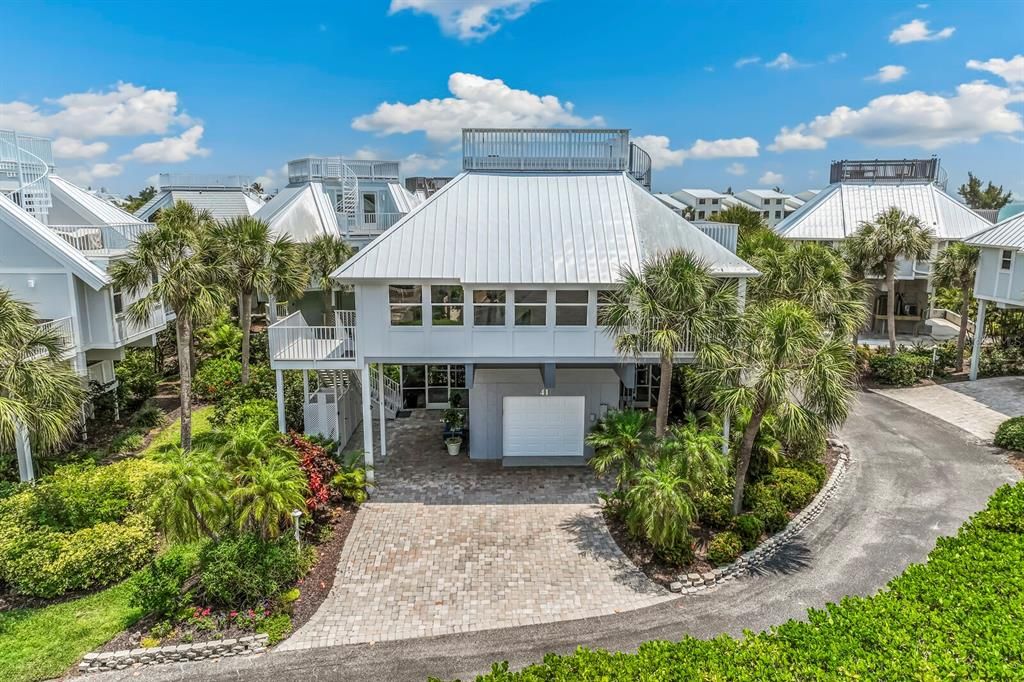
19	220
404	200
303	212
1006	234
703	193
837	211
764	193
672	202
222	203
729	201
807	194
87	204
533	228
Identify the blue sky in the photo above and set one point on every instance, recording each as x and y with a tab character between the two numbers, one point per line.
741	94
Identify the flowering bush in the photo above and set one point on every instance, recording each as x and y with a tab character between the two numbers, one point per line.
319	468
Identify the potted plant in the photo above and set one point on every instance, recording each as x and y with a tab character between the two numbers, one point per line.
454	420
454	445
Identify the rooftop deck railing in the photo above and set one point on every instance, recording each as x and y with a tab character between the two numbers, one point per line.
102	238
25	148
203	181
546	149
64	327
888	170
337	168
292	340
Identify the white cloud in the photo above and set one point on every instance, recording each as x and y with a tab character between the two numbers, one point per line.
106	170
86	175
475	102
1010	70
890	73
660	151
467	19
771	178
398	49
837	57
709	68
914	118
784	62
417	164
736	169
124	110
923	5
916	31
71	148
662	155
746	61
170	149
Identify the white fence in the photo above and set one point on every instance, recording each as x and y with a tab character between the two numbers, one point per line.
128	330
334	415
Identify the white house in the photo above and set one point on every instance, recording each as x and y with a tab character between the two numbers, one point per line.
859	192
224	196
1000	276
704	203
57	242
491	288
769	203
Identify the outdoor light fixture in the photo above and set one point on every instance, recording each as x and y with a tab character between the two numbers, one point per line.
296	514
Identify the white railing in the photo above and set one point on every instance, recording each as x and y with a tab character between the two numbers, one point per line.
26	162
128	330
101	372
371	222
545	149
291	339
725	234
686	347
203	181
102	238
64	328
337	167
392	392
950	316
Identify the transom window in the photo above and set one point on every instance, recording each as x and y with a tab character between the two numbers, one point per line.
531	307
446	304
405	301
571	307
489	307
1006	260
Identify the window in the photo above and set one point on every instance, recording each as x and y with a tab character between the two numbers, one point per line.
778	202
433	386
778	214
446	306
604	297
531	308
701	201
118	302
714	202
766	213
405	300
414	393
489	307
571	308
767	202
1006	260
700	214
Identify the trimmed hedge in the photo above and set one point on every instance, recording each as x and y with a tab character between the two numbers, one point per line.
1010	434
902	369
957	617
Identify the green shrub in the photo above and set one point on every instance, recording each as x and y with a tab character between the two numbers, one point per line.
126	442
158	589
812	468
220	339
243	570
137	377
149	416
954	618
276	627
350	480
253	413
79	495
1010	434
996	361
763	502
714	510
217	378
749	528
793	488
902	369
724	548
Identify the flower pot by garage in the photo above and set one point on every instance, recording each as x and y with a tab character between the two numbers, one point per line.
454	445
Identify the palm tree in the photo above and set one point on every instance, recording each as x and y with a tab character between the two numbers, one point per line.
41	396
892	235
259	261
620	442
176	265
673	301
324	255
780	362
955	269
190	502
266	492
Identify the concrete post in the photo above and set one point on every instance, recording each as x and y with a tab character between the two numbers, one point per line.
380	411
364	384
24	449
979	335
282	425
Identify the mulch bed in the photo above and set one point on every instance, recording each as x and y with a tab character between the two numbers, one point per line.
1016	460
663	572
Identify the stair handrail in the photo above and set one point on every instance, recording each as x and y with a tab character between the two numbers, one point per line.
20	154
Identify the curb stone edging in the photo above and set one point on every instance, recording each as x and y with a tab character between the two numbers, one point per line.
119	660
692	583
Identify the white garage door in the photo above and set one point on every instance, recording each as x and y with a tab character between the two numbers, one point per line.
542	426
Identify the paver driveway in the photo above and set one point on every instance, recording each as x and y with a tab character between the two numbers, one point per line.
449	546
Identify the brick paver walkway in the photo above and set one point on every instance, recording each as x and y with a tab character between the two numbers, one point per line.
977	407
447	546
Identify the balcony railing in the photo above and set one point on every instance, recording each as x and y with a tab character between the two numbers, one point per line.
203	181
367	223
127	330
64	327
337	168
102	238
888	170
291	339
545	149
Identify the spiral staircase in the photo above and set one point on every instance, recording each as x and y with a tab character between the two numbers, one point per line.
25	166
348	195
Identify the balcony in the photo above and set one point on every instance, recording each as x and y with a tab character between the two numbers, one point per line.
129	331
320	168
203	181
888	170
102	372
367	223
102	240
295	344
64	327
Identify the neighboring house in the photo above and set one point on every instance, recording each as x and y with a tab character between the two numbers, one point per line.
224	196
703	202
678	207
424	186
1000	276
490	290
57	242
769	203
859	192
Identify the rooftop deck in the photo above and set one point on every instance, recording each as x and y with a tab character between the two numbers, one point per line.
320	168
203	181
100	240
888	170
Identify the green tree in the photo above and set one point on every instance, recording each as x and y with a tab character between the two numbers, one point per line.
754	234
258	261
991	197
189	279
325	254
781	361
892	235
133	203
955	269
620	442
671	303
265	493
190	503
41	396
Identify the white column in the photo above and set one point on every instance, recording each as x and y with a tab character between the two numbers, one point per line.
281	424
979	335
741	294
21	443
364	383
380	411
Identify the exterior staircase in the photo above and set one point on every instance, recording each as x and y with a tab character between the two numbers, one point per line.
392	393
25	166
348	196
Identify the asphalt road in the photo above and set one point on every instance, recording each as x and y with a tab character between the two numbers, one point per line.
912	478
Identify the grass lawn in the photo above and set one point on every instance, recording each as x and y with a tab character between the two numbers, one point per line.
39	644
172	433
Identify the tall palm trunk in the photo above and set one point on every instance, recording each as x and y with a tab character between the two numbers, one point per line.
743	457
664	392
890	303
961	340
245	320
184	328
